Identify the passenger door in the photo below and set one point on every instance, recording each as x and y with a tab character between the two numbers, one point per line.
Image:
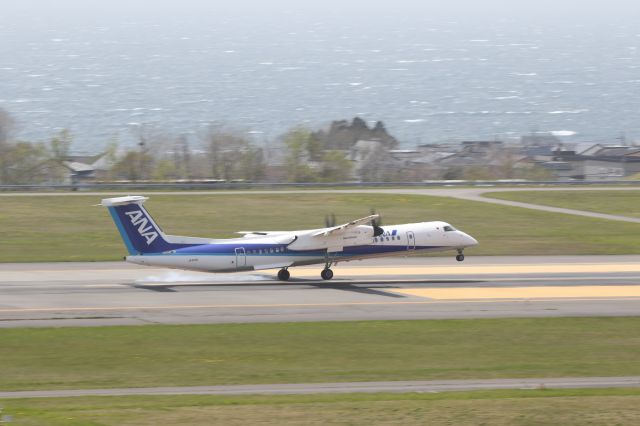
241	258
411	240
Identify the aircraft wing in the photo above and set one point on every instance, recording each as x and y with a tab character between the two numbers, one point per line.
341	228
263	233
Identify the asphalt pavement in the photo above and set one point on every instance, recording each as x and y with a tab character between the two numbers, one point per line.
116	293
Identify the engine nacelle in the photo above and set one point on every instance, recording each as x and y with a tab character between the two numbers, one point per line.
358	236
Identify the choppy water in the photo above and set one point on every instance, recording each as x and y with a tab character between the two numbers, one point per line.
427	81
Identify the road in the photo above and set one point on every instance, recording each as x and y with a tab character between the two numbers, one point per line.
96	294
347	387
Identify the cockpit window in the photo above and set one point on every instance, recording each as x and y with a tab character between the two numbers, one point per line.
449	228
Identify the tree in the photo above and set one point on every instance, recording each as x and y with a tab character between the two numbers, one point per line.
60	145
149	145
7	125
232	156
378	166
297	142
164	170
336	167
134	165
27	163
252	164
58	153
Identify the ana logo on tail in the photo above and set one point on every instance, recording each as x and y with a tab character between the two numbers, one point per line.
144	229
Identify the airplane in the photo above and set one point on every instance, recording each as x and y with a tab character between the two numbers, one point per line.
363	238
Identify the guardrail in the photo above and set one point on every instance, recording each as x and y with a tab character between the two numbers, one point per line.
310	185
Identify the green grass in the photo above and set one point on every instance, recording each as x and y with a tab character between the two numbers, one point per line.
516	407
55	228
140	356
623	203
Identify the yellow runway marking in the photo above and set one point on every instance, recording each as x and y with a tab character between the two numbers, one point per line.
570	268
458	293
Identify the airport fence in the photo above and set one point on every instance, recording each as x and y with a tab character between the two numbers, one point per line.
212	186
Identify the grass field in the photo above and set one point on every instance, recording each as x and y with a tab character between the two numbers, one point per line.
142	356
534	407
69	229
623	203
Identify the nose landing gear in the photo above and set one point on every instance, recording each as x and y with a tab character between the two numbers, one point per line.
460	256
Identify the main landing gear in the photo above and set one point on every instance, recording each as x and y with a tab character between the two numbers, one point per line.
283	274
326	273
460	256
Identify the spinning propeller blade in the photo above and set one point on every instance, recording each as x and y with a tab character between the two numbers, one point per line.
376	223
330	220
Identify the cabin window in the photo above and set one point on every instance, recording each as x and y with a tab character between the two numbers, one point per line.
449	228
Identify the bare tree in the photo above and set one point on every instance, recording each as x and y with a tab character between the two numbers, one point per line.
134	165
58	153
139	164
26	163
231	155
7	125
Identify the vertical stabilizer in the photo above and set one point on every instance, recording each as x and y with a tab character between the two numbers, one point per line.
139	231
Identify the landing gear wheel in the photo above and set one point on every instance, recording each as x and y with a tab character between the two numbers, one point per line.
460	257
283	275
326	274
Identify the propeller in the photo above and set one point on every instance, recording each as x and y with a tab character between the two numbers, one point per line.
330	220
377	224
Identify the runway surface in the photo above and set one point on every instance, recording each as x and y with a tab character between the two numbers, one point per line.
347	387
95	294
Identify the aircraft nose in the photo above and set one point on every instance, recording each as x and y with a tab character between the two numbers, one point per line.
469	240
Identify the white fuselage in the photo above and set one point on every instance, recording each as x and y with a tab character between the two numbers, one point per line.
285	249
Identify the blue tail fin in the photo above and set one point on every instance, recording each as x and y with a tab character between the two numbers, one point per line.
139	231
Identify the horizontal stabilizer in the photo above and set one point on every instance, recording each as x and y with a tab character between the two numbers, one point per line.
123	201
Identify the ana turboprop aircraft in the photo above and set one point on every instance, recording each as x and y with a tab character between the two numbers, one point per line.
258	250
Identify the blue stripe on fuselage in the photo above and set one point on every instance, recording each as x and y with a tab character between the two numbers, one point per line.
281	250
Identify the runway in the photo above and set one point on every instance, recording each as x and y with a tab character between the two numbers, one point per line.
96	294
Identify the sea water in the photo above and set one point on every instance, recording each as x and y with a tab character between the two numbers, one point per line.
428	81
